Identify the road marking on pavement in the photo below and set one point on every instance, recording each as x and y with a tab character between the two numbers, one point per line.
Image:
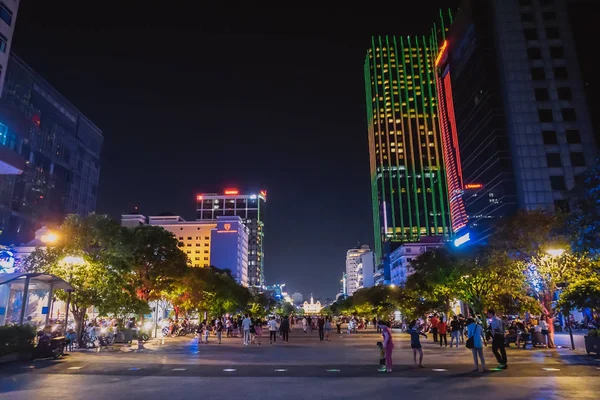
332	370
281	370
29	367
74	367
179	369
551	369
229	370
133	369
439	370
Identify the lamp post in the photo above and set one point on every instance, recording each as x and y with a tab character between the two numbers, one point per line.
555	253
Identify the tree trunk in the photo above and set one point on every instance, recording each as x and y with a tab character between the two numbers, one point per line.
79	317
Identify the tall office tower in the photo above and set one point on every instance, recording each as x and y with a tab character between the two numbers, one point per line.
60	153
354	269
8	19
521	118
250	208
408	182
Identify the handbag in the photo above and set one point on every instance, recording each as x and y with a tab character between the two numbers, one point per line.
471	340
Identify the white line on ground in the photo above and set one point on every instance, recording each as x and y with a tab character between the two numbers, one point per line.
74	367
280	370
551	369
179	369
29	367
332	370
229	370
133	369
439	369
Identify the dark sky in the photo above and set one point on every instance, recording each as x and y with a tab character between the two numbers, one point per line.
194	100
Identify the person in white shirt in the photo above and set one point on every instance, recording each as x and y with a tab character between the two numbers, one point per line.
272	324
246	327
498	342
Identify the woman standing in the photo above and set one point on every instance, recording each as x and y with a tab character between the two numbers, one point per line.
388	346
327	327
475	339
284	328
544	328
550	322
258	325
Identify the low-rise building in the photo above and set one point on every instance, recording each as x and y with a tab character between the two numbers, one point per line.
400	258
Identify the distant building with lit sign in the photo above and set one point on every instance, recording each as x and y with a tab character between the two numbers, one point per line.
354	268
196	239
250	208
229	247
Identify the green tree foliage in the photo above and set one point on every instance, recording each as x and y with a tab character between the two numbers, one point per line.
580	294
156	261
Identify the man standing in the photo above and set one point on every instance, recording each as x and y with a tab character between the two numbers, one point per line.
321	325
272	324
434	327
246	328
285	329
498	339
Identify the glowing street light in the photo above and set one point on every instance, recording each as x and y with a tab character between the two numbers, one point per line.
50	238
555	252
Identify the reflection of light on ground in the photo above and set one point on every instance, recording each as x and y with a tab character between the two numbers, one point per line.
74	367
333	370
229	370
133	369
551	369
179	369
280	370
439	369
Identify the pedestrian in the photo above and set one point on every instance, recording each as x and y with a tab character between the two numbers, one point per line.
71	337
258	330
454	331
219	329
272	324
284	328
305	325
382	367
461	326
206	331
246	322
415	342
375	325
228	327
338	325
321	326
475	343
327	328
498	342
442	329
434	321
388	345
550	321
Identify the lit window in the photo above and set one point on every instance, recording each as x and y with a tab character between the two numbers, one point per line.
6	14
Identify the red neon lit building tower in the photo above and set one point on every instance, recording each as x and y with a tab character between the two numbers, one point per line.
451	152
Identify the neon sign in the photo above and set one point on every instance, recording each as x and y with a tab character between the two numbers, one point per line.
473	186
462	239
199	197
441	53
231	191
263	193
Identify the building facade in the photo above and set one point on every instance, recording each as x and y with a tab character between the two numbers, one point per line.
354	269
367	266
59	151
8	19
250	208
229	247
297	298
401	258
312	307
521	117
222	243
408	180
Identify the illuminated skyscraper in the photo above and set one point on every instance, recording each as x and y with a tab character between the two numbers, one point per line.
408	180
250	208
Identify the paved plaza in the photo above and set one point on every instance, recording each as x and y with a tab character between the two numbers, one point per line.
305	368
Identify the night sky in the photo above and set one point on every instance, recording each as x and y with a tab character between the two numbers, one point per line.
195	99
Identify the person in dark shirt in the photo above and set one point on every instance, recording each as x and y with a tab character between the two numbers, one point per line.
321	325
455	331
382	367
415	342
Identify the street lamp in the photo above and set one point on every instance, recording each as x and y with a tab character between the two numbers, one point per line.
50	238
555	253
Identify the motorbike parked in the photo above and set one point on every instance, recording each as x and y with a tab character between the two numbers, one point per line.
49	345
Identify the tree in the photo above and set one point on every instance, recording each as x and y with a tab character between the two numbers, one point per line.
92	258
580	294
583	221
156	261
433	277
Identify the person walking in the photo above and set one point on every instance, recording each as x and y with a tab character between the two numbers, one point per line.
321	326
550	322
219	329
327	328
246	322
388	345
442	329
454	331
434	321
338	325
498	342
415	342
258	326
475	343
305	325
285	329
272	324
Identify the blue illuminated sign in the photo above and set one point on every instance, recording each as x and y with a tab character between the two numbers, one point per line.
462	239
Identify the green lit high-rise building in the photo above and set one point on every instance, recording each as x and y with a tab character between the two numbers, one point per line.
408	181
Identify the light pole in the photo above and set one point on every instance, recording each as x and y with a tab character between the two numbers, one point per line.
555	253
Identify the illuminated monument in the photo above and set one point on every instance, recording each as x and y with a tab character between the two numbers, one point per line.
250	208
408	179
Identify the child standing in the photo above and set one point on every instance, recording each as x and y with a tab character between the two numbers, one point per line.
382	367
415	342
71	337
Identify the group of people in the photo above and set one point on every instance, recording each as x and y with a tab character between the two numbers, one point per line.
323	324
475	339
